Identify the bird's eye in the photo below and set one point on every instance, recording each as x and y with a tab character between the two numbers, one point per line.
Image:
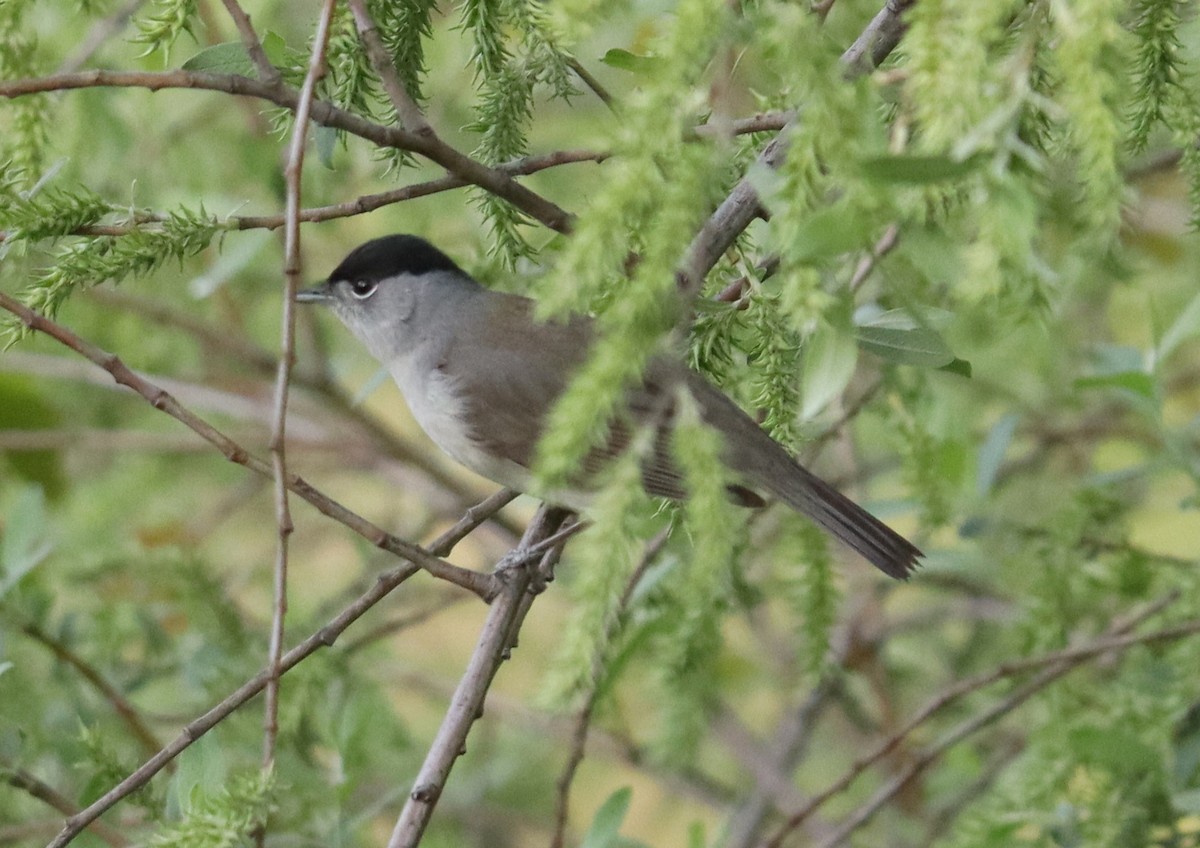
362	289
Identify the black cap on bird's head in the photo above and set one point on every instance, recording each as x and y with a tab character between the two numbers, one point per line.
391	255
379	259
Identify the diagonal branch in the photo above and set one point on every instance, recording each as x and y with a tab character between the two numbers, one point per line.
466	705
483	585
267	72
326	114
324	637
120	704
1050	667
19	778
406	107
741	206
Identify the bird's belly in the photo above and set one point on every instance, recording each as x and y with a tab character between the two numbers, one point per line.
438	410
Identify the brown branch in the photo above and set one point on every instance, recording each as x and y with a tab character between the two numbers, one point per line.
457	163
121	706
885	245
359	205
407	110
1053	666
583	718
466	705
324	637
267	72
741	206
481	584
18	778
293	173
597	88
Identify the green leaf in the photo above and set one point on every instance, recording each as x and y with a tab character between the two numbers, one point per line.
325	142
22	407
918	169
635	64
829	359
829	232
1138	382
229	57
606	824
1185	326
991	454
25	543
921	346
961	367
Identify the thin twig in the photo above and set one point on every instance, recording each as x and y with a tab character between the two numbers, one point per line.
583	718
407	110
128	713
590	81
359	205
471	519
404	622
466	705
19	778
433	148
1053	666
293	173
741	206
267	72
481	584
886	243
324	637
100	33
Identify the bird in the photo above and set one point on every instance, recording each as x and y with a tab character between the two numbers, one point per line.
480	375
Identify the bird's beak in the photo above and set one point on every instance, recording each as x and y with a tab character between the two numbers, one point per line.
321	293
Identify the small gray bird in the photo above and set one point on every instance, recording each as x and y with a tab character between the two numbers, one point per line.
480	376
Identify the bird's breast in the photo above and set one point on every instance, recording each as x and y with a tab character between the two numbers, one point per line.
436	403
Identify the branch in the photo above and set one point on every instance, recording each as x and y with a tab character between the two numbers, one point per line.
287	356
18	778
324	637
267	72
466	705
1054	665
481	584
583	718
127	712
406	107
741	206
458	164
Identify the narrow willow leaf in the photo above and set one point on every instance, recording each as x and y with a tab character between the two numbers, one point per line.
1138	382
919	346
227	58
1185	326
829	359
918	169
991	454
606	824
25	542
635	64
